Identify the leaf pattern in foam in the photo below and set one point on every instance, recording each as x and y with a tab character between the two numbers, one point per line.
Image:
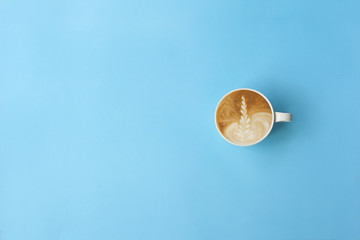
243	129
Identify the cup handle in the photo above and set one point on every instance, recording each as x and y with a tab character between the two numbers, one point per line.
283	117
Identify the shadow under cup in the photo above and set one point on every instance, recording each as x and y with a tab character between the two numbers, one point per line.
244	117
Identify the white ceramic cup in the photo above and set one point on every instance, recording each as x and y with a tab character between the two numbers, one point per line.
276	117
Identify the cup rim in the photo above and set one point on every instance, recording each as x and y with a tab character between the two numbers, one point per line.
272	114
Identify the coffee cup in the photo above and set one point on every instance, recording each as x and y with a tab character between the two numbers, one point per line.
245	117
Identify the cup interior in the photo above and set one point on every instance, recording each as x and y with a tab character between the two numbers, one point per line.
244	117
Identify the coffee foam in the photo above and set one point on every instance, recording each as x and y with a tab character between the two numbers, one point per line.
244	117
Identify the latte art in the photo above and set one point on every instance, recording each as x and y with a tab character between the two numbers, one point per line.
244	117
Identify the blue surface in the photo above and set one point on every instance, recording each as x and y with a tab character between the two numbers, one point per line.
107	129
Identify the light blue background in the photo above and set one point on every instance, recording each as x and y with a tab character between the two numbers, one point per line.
107	128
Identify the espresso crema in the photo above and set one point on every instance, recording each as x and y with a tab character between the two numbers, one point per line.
244	117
